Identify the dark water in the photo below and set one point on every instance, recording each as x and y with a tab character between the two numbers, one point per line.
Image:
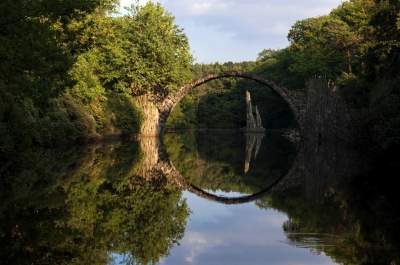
220	198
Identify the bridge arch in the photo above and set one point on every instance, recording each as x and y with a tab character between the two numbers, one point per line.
232	200
173	176
173	99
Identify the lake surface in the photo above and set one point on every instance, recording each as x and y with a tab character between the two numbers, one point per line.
198	198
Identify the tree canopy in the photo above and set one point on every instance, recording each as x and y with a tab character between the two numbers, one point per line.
70	70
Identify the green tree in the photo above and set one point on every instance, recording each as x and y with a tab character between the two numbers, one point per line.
321	46
134	54
70	70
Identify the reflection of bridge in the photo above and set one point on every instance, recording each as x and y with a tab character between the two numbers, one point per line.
156	166
253	144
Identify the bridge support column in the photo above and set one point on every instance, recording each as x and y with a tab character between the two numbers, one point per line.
326	116
151	117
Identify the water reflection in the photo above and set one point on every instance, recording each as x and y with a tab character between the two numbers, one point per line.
240	234
126	203
215	161
78	206
253	144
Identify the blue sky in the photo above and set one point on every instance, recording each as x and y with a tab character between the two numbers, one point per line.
237	235
237	30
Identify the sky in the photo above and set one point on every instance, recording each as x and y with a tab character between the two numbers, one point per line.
237	235
237	30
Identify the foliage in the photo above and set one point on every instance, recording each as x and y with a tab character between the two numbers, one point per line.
357	46
134	54
70	70
76	206
275	65
36	51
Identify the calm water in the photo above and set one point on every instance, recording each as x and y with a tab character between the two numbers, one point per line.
197	198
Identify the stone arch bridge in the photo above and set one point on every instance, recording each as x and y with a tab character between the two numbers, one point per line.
321	114
156	115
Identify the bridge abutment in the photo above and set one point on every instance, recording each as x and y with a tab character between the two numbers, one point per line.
150	125
325	116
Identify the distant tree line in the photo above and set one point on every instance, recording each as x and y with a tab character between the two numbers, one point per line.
357	46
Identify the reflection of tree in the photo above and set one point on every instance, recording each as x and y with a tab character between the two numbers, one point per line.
341	228
78	206
336	208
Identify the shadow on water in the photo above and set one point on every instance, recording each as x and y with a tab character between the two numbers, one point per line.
95	205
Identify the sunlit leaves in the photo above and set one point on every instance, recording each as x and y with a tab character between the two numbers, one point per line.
138	53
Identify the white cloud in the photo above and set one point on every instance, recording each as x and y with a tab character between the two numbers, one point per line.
223	30
127	3
200	8
197	243
274	220
123	4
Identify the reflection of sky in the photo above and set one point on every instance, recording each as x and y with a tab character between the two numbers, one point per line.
237	234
